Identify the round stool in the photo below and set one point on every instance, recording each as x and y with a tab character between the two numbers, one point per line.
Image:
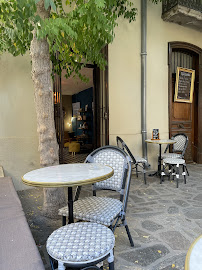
74	147
174	163
81	244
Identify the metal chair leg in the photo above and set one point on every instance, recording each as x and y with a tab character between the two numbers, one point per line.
114	227
64	221
111	261
129	235
162	174
144	172
173	173
186	169
169	170
177	175
184	173
111	266
161	179
136	170
51	263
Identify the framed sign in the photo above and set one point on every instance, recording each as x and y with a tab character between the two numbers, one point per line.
184	86
155	134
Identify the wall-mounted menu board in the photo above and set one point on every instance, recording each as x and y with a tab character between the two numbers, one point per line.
184	86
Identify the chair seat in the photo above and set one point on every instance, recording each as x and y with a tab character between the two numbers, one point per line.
95	209
140	159
80	242
174	161
171	155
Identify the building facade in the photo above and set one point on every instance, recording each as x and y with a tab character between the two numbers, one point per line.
166	41
168	45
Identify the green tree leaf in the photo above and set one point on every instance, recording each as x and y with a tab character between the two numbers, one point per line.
78	32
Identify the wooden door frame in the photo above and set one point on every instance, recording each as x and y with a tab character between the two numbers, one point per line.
106	71
96	99
96	126
197	50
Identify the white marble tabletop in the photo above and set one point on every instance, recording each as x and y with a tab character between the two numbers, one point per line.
194	255
164	141
68	175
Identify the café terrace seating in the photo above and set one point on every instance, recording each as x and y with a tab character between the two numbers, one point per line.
179	148
106	210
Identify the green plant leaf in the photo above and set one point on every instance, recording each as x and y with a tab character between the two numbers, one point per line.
53	6
46	4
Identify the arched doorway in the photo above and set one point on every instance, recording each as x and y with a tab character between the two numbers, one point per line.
185	117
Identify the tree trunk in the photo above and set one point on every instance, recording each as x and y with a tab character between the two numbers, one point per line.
54	198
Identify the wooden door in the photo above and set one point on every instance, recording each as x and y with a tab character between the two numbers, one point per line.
184	116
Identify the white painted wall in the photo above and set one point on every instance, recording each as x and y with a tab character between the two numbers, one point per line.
18	136
125	78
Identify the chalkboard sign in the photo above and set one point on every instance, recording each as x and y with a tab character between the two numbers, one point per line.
184	86
155	134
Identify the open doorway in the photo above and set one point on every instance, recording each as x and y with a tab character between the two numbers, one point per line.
81	112
78	114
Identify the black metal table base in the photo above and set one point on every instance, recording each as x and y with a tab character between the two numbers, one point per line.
70	205
158	173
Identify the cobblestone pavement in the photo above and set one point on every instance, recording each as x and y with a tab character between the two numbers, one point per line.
163	220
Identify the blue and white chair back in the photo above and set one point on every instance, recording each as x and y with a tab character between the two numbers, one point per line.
115	158
181	143
106	210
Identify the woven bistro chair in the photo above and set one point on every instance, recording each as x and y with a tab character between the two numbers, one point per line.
81	245
106	210
137	161
179	148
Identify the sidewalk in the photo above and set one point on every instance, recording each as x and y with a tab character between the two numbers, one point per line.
163	221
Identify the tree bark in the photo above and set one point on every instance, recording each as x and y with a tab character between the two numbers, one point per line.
54	198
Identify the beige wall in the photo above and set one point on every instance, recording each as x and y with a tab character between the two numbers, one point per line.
18	137
125	78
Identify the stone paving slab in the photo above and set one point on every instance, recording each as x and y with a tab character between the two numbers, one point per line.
163	220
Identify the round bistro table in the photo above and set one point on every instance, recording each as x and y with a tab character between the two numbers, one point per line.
194	255
68	175
159	142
